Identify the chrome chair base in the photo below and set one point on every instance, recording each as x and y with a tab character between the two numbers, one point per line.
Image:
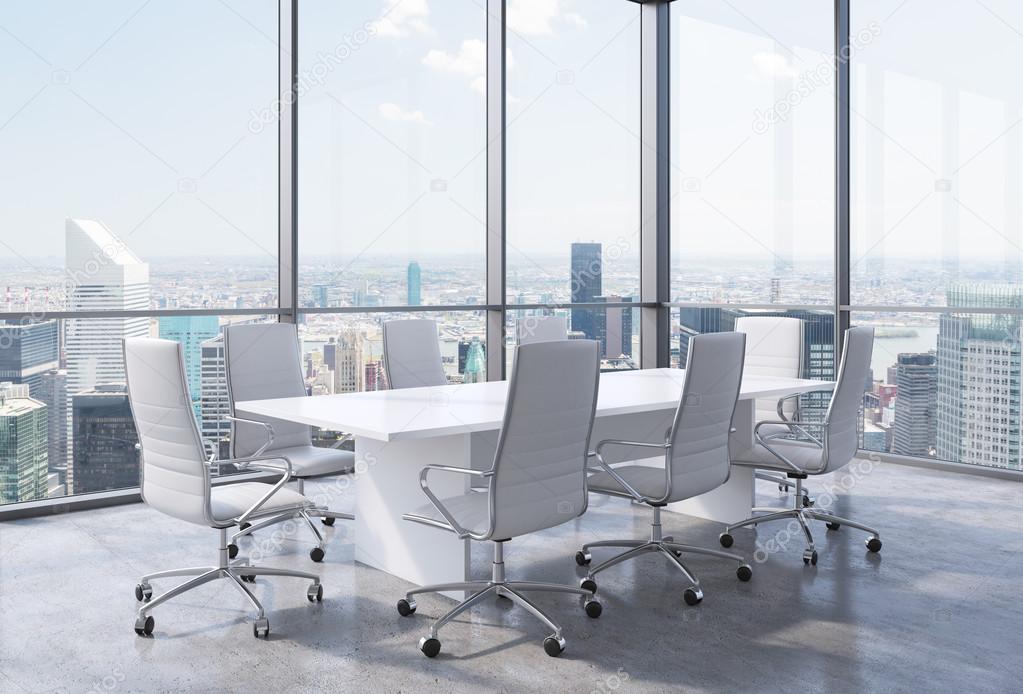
802	513
663	545
498	586
237	573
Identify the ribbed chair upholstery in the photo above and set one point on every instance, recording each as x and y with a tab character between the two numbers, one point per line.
774	347
175	478
264	362
412	354
541	329
537	481
695	455
799	449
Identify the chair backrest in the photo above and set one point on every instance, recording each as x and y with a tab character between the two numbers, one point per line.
174	475
264	361
774	347
699	459
540	464
844	411
412	354
541	329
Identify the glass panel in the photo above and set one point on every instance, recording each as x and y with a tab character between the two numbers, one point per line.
937	151
65	423
130	156
947	385
818	357
343	353
573	151
752	152
617	329
391	161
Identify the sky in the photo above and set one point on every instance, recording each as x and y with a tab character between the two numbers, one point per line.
147	116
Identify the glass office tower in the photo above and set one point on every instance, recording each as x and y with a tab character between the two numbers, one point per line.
23	465
586	278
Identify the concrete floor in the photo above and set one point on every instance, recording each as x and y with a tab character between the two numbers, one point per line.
938	610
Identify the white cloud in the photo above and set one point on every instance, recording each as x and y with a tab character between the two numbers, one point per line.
394	112
471	59
772	65
403	17
538	17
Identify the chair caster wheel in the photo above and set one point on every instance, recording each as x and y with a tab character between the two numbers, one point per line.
328	521
143	592
261	628
232	550
726	540
583	558
782	488
810	557
554	646
247	578
315	592
874	544
429	646
834	526
316	554
588	584
744	573
807	501
406	608
144	625
245	526
693	596
593	609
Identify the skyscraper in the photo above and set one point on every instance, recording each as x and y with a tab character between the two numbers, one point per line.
103	275
916	404
214	404
54	394
23	466
191	332
104	440
348	367
27	351
415	284
586	281
979	378
475	363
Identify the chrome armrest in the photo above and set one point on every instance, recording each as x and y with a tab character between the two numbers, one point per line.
605	467
781	403
213	451
266	426
424	483
343	439
285	478
765	440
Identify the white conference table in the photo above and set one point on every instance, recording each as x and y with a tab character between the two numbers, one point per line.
397	432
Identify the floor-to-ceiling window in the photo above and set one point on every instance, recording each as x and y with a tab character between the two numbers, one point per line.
753	171
936	260
134	181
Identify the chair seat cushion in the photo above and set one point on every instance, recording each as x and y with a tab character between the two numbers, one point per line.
471	511
229	501
312	461
807	457
649	481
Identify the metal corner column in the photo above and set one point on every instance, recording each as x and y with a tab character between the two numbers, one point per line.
843	179
287	255
495	216
655	185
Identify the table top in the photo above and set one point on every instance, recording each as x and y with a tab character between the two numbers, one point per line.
390	415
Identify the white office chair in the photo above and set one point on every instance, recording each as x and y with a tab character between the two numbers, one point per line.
175	479
696	459
263	362
541	329
537	481
823	446
774	347
412	354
